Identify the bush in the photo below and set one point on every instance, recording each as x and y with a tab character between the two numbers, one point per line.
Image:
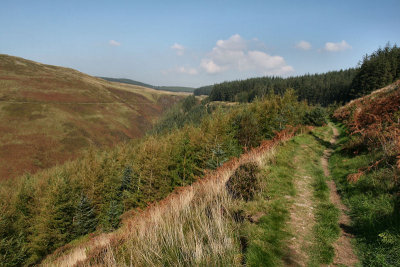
244	182
315	117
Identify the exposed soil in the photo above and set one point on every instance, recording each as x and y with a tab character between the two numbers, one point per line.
344	254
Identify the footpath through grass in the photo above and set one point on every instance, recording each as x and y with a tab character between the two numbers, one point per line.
372	202
269	242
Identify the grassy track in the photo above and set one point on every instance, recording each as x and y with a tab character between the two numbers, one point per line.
300	224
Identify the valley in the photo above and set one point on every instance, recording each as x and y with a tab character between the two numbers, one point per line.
297	171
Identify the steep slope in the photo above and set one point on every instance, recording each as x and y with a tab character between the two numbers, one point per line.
50	114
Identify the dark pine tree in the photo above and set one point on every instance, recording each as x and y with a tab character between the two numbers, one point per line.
126	183
85	220
112	218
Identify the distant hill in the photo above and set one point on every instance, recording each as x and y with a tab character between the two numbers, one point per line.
50	114
165	88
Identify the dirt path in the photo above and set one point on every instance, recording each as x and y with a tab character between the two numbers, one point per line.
344	254
301	219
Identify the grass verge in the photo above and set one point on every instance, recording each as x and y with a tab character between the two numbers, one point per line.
267	238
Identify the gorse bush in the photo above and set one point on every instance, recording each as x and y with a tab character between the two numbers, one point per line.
42	212
244	182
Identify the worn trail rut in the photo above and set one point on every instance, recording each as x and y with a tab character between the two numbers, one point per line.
344	254
302	219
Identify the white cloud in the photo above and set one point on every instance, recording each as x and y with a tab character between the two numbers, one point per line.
190	71
303	45
234	54
181	70
180	49
210	67
235	42
273	65
114	43
335	47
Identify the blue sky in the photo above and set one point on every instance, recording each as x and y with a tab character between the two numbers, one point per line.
194	43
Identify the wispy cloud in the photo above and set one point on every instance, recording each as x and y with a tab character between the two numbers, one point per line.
303	45
114	43
179	49
335	47
190	71
234	54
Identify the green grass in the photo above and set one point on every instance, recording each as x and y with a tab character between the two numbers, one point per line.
372	202
267	239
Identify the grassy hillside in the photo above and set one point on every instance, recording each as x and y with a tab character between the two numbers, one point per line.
50	114
164	88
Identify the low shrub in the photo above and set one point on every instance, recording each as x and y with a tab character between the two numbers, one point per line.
244	182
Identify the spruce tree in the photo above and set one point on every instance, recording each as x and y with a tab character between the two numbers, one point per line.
85	220
126	183
112	218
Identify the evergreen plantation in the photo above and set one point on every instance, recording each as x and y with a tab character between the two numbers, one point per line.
376	70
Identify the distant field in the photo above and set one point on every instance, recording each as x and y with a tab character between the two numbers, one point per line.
50	114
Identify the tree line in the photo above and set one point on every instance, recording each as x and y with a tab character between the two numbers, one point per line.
379	69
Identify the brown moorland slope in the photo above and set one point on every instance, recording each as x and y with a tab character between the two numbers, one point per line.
50	114
376	119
